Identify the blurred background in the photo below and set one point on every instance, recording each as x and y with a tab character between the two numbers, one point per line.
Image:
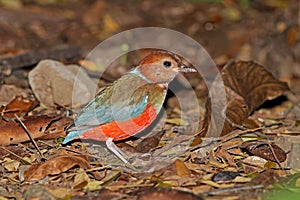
266	31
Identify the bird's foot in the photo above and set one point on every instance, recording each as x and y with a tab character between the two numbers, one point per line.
116	150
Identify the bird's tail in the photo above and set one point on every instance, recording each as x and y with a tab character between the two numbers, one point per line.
72	135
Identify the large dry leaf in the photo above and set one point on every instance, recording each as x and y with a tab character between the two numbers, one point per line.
54	166
43	127
253	82
247	85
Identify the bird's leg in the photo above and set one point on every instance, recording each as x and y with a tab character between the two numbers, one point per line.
118	152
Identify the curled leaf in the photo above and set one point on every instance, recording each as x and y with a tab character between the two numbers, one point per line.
248	85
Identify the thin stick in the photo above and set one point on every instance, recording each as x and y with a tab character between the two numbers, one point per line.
234	189
47	144
98	168
274	154
238	133
80	153
12	153
29	135
129	186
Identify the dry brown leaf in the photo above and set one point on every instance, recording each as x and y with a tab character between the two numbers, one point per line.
38	126
149	143
253	164
54	166
168	194
225	155
265	178
253	82
13	152
81	179
181	169
19	105
56	128
93	186
11	165
111	176
60	193
201	189
266	151
250	123
248	85
216	160
292	35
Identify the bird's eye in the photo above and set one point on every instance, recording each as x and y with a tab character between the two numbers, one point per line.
167	64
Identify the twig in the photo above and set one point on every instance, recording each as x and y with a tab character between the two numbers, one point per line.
238	133
29	135
48	144
201	145
253	165
80	153
98	168
235	125
274	154
225	138
12	153
233	189
89	170
11	178
128	186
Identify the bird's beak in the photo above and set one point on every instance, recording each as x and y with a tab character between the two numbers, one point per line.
185	69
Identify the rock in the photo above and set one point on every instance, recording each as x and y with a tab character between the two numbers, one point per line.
54	83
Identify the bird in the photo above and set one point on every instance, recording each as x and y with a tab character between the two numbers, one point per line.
128	105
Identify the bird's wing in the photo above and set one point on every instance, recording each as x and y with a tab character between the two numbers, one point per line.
116	102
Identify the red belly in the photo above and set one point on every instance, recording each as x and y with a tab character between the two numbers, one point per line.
122	130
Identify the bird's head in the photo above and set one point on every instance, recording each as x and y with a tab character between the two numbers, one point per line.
162	67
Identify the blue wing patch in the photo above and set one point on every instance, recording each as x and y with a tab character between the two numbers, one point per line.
93	115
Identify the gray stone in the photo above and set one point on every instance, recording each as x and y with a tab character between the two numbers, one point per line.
52	83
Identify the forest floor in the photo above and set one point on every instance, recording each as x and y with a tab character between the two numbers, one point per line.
254	44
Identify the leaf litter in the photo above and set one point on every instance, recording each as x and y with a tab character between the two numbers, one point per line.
228	160
71	172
